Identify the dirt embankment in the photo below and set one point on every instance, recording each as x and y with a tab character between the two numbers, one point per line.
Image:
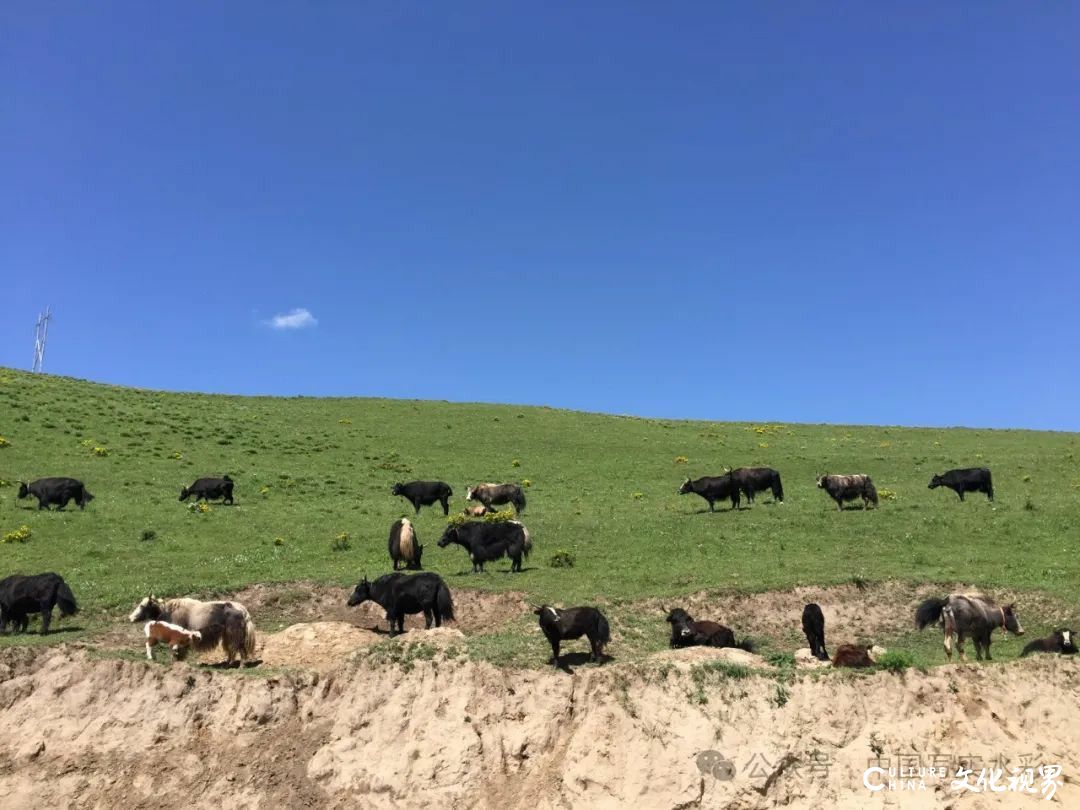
85	732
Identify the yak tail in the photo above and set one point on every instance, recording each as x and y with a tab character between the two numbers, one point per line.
239	637
66	599
929	612
871	492
519	504
226	478
605	630
526	543
777	488
444	602
746	644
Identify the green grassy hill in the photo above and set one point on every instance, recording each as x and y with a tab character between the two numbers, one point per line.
601	487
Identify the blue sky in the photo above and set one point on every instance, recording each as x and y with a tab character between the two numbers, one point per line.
793	212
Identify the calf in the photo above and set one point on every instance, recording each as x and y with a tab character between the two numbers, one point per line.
207	489
851	655
973	479
22	595
175	637
849	488
474	511
402	594
425	493
1060	641
405	545
571	623
59	491
713	489
490	541
759	479
813	624
496	495
685	632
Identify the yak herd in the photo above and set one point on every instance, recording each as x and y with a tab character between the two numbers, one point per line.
184	624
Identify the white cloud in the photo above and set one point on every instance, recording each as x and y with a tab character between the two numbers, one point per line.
296	319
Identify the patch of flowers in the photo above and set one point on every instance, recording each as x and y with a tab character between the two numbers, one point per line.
886	494
681	460
340	543
199	507
19	535
4	442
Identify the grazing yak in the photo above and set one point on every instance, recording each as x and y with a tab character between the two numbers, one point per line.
1060	641
401	594
853	655
813	624
685	632
496	495
759	479
56	490
571	623
173	636
405	545
849	488
425	493
40	593
490	541
973	479
227	623
713	489
209	489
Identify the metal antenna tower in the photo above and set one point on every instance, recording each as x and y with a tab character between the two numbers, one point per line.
41	332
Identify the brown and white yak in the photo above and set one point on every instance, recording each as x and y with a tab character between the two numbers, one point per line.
173	636
225	623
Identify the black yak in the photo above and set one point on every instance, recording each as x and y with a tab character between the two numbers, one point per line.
401	594
226	622
685	632
59	491
206	489
571	623
713	489
425	493
40	593
496	495
1060	641
974	479
405	545
759	479
813	624
490	541
849	488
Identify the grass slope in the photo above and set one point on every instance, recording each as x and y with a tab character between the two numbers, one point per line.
602	488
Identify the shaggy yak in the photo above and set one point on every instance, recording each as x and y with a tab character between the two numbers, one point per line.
1060	641
59	491
173	636
496	495
758	479
813	624
405	545
968	615
208	489
490	541
685	632
425	493
227	623
574	623
22	595
401	594
713	489
849	488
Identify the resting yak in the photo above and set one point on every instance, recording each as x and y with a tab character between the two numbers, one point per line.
208	489
40	593
759	479
490	541
401	594
849	488
405	545
59	491
1060	641
685	632
571	623
713	489
227	623
973	479
853	655
496	495
425	493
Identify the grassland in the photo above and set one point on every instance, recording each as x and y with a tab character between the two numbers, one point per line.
601	487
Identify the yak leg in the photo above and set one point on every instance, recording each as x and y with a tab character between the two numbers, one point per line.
960	492
445	506
428	618
594	643
554	650
960	646
46	617
711	509
990	493
149	650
